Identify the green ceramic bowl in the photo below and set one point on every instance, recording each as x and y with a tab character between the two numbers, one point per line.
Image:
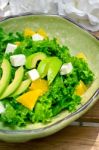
77	39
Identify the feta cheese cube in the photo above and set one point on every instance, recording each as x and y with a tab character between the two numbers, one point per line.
33	74
10	48
66	68
2	108
18	60
37	37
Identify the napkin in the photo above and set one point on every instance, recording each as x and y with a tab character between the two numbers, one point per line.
85	12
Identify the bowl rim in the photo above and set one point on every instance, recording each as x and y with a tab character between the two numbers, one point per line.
43	14
82	108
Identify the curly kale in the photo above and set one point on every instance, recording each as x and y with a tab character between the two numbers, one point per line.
61	94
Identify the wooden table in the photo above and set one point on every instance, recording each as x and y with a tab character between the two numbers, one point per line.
84	136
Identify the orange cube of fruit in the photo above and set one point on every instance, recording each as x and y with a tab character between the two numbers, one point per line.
42	33
81	55
30	98
81	88
39	84
28	32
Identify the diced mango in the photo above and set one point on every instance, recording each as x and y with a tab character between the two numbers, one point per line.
28	32
30	98
17	43
38	88
81	55
42	33
39	84
81	88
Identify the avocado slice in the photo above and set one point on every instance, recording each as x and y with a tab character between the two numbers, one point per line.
5	79
53	69
15	83
43	67
32	60
22	88
50	67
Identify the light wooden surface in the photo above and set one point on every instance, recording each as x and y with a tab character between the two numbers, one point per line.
96	34
70	138
92	115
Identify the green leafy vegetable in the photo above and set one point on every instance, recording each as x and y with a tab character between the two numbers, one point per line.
61	94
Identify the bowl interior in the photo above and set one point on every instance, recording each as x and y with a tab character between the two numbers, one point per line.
77	39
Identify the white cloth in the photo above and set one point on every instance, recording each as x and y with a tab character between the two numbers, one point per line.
85	12
36	6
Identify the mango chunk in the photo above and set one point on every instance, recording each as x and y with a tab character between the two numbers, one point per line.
81	55
42	33
81	88
38	88
39	84
28	32
30	98
17	43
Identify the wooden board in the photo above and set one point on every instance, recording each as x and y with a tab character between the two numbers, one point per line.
96	34
92	115
70	138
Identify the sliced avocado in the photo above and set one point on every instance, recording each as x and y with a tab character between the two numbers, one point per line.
5	79
15	83
54	67
22	88
43	67
32	60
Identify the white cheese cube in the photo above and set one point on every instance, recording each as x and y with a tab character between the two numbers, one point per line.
33	74
18	60
37	37
66	68
2	108
10	48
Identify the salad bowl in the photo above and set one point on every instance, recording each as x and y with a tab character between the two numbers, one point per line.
78	40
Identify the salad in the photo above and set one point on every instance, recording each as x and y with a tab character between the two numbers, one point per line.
39	78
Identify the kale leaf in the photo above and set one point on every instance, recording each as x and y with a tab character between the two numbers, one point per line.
61	94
